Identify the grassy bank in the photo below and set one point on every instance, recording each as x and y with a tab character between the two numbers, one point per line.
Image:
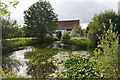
10	45
80	42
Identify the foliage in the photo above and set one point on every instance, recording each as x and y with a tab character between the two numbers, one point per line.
79	42
50	39
40	20
76	31
83	32
36	66
66	35
16	43
107	52
81	67
1	72
55	38
10	29
4	7
96	26
22	38
8	75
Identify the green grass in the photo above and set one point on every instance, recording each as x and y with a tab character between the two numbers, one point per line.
78	38
22	38
9	46
81	42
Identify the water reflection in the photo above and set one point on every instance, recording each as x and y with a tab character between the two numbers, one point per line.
30	61
60	46
41	70
16	62
59	59
9	64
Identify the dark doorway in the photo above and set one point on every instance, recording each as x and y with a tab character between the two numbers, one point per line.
59	34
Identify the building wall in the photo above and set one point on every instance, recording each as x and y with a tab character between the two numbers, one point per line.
63	31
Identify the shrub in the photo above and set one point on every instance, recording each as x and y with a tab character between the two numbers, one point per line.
66	35
79	42
107	52
55	38
51	39
81	68
8	75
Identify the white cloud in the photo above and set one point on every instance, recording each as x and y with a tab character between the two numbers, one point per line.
67	9
107	0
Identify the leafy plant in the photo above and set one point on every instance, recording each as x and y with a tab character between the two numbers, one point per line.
76	31
107	52
79	42
96	26
81	67
66	35
4	7
35	66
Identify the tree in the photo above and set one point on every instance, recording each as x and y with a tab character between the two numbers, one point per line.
107	52
9	28
76	31
40	20
96	26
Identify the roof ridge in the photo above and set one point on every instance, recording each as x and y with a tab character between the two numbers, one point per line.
69	20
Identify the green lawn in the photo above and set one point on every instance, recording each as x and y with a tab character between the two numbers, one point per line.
78	38
22	38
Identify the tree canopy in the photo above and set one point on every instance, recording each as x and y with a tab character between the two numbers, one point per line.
96	26
10	29
40	20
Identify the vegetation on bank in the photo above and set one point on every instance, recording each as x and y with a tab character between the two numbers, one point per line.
80	42
81	67
21	38
106	57
104	29
96	25
8	75
10	45
38	67
107	52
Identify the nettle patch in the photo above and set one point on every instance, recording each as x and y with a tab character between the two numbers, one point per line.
81	67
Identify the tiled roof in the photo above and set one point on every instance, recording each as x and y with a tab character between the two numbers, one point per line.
68	24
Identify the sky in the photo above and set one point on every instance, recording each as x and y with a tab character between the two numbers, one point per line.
83	10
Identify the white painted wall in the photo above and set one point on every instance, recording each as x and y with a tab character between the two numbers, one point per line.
63	31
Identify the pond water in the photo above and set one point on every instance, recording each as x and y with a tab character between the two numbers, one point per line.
40	62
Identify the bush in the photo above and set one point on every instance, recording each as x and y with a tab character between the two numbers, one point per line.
55	38
96	25
81	68
12	45
66	35
107	52
79	42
